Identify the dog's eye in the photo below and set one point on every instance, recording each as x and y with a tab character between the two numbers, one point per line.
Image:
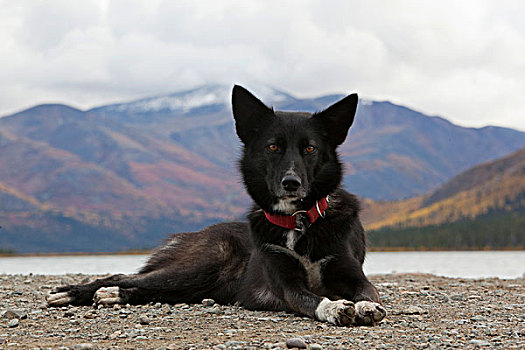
273	147
309	149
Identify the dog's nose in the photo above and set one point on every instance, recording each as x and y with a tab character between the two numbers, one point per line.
290	183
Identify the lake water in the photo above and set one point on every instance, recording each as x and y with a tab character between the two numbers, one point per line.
503	264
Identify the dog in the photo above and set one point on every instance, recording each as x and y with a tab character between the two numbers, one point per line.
302	249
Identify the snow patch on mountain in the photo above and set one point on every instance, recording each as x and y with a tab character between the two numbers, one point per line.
185	101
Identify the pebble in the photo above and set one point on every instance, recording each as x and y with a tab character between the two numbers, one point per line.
89	315
83	346
315	347
443	297
69	313
478	318
144	320
479	342
208	302
13	323
458	297
295	343
232	343
522	332
214	310
413	310
13	313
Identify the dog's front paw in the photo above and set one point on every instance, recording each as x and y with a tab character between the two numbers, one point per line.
107	296
339	312
369	313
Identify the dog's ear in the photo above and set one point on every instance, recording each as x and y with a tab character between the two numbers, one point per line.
249	112
338	118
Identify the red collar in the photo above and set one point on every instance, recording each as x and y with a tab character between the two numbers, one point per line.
288	221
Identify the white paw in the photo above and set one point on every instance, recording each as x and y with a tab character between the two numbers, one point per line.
369	313
58	299
339	312
107	296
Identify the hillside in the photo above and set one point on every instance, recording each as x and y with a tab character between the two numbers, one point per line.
481	207
123	176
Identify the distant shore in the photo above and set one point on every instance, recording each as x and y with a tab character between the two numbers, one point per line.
127	252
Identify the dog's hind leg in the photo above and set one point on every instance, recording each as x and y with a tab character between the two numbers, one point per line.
82	294
116	295
171	284
190	267
163	285
167	286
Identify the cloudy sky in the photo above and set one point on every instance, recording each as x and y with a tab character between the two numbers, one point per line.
464	60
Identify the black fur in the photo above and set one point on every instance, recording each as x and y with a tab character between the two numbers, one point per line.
289	162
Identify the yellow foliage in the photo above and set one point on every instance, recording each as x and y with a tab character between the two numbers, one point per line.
501	193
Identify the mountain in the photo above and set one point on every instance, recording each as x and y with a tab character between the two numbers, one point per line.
122	176
482	207
392	152
89	177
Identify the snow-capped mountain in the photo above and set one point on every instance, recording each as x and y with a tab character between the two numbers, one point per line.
187	100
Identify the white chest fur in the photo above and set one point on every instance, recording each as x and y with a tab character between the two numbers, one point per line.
291	239
313	269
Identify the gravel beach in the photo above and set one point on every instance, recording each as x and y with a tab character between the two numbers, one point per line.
425	312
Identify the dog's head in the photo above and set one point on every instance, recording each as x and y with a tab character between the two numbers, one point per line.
289	159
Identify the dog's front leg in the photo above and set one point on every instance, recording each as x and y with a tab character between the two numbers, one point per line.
286	275
344	277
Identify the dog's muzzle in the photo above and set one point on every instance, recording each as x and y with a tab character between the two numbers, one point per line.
291	183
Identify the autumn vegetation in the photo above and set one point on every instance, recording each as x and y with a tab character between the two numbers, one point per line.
481	208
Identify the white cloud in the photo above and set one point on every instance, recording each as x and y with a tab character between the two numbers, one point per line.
462	60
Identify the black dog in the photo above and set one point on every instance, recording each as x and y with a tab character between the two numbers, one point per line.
303	248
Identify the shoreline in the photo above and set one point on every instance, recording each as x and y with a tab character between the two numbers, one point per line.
147	252
425	312
457	264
